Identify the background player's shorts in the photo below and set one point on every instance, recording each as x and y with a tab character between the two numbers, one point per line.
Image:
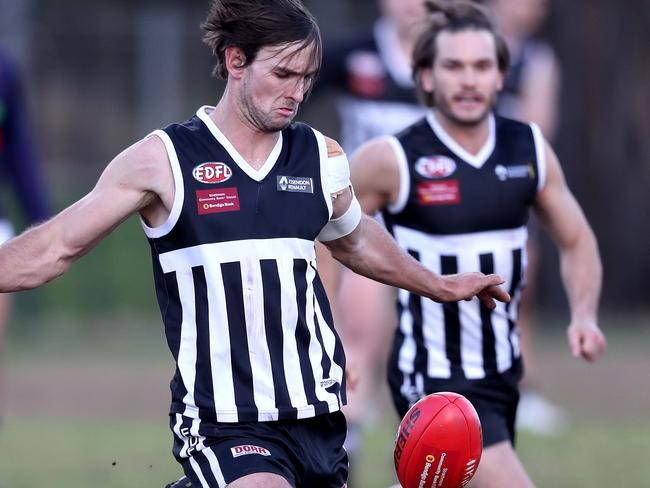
306	452
495	400
6	230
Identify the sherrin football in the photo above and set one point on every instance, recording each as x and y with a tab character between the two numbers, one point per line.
439	443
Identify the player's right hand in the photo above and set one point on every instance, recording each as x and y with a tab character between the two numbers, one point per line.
466	286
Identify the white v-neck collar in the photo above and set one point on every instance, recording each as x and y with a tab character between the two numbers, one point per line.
256	174
476	160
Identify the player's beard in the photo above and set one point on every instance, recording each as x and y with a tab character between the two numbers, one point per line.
256	118
444	107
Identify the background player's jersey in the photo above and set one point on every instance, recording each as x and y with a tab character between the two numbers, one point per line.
245	314
18	160
374	79
459	212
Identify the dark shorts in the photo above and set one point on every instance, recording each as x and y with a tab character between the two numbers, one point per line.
495	400
306	452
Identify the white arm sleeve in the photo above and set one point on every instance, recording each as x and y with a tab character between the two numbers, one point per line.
345	224
338	171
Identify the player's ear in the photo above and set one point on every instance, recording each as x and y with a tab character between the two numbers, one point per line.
235	61
500	80
426	80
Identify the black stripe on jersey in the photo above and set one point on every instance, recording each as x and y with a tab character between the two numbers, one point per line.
274	336
241	368
489	341
415	307
174	315
515	282
203	398
320	297
449	265
303	337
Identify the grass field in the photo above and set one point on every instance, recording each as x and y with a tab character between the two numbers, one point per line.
95	416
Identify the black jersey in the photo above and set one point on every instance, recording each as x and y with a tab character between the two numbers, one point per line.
245	314
377	93
459	212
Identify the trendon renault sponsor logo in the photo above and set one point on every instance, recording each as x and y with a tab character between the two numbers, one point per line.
212	172
435	166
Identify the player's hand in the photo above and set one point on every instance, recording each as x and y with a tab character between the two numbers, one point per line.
586	339
465	286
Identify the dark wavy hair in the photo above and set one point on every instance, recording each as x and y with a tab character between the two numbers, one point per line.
452	16
253	24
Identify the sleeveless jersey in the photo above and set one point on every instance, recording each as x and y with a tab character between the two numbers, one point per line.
459	212
246	316
377	94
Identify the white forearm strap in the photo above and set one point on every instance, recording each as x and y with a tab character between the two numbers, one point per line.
338	170
342	226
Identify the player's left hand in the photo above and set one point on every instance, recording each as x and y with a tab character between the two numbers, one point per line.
586	339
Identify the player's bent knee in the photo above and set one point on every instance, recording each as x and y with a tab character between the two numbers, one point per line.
260	480
500	467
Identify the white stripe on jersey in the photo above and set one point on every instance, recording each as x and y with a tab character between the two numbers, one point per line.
315	350
434	333
234	251
329	341
187	350
466	248
248	254
292	373
222	385
260	358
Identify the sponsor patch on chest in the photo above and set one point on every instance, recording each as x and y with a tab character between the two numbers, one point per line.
295	184
435	167
439	192
247	449
217	200
211	173
504	173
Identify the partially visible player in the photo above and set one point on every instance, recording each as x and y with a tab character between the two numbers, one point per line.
231	201
19	170
530	93
455	190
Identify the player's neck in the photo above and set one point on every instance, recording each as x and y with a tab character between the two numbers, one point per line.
251	143
471	138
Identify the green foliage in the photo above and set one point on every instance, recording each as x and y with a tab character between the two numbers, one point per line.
114	277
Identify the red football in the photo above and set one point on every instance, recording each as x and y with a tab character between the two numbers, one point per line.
439	443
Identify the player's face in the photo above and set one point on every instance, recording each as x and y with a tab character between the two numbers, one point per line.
465	77
275	84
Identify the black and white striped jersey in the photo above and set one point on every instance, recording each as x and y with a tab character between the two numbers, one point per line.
245	314
459	212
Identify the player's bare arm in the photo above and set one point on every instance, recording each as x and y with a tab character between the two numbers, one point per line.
580	263
138	179
375	176
371	252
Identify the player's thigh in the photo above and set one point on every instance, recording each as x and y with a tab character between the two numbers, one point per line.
500	467
366	310
260	480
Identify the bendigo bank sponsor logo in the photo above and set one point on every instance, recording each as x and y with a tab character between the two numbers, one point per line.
217	200
212	173
405	429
